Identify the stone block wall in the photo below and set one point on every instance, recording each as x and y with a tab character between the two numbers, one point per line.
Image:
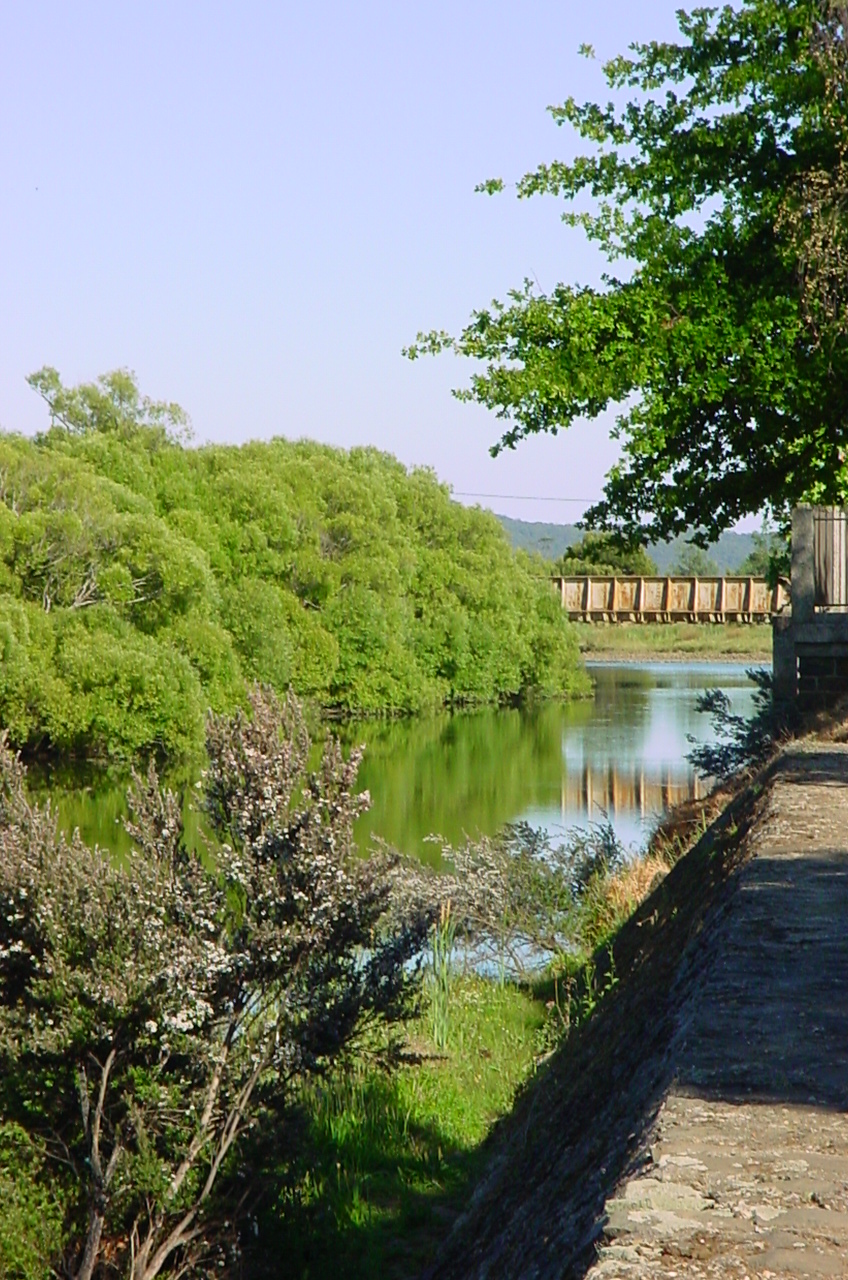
822	675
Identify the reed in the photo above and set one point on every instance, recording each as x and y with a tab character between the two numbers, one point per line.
442	938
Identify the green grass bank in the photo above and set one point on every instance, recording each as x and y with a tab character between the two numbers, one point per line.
389	1158
674	641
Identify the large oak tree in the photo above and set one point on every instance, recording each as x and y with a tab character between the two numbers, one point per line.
717	185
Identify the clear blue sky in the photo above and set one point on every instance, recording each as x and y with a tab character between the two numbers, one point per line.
256	205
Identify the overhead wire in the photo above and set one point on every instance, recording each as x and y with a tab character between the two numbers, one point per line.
518	497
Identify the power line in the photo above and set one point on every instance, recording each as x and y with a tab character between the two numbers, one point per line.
518	497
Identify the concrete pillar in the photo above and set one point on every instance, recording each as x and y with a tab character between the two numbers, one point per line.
803	569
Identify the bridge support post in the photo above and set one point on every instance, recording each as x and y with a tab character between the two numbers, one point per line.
803	565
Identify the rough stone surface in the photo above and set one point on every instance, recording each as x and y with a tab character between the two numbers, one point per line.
699	1126
747	1163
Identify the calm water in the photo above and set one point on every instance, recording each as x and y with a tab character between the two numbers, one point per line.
621	755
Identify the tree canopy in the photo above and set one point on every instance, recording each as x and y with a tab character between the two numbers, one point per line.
717	193
142	582
600	553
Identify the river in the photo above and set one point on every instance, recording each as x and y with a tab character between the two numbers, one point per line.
620	755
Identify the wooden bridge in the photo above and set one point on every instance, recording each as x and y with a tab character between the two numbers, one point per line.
671	599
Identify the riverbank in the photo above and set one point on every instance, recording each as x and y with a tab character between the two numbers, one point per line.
697	1123
380	1159
674	641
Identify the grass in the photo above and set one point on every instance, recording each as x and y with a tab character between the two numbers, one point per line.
674	640
384	1161
392	1156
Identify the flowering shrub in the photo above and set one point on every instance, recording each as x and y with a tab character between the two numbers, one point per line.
148	1010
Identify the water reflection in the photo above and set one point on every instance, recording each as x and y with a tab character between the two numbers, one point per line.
621	755
619	793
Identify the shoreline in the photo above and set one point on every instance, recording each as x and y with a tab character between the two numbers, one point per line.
635	657
674	642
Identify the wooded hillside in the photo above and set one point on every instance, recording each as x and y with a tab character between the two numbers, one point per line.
552	541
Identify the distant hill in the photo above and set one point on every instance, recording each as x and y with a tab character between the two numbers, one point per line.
552	540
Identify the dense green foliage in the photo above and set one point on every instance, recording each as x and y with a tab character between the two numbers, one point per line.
31	1221
716	186
142	581
599	553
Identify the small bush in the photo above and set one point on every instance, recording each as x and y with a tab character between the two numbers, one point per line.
741	741
31	1209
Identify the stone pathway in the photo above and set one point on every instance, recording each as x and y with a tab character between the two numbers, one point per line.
746	1172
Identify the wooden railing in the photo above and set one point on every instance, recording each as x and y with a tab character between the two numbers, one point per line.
830	557
671	599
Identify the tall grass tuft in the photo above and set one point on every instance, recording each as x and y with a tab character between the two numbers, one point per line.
442	937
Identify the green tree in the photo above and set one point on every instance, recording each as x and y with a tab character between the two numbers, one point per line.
716	184
815	214
600	553
695	562
769	557
112	404
142	582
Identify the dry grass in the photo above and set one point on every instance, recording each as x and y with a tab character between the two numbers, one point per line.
685	823
612	898
630	886
674	641
831	724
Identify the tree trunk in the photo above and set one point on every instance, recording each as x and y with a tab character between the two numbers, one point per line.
92	1245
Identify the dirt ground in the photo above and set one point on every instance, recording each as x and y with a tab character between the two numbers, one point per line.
699	1126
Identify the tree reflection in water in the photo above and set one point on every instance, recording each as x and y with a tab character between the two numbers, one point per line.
554	765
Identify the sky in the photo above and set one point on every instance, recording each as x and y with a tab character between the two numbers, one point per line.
255	206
